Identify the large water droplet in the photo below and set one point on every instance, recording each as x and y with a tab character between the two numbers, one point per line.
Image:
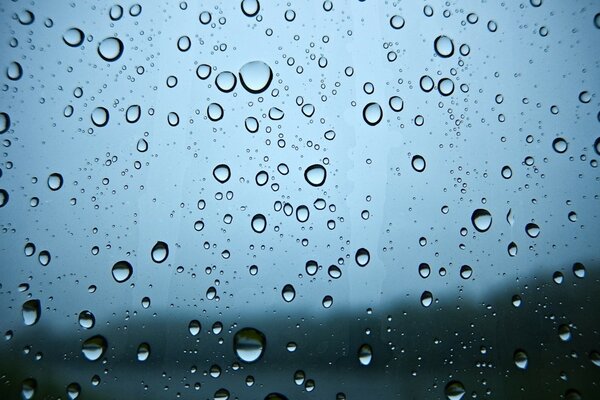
259	223
454	390
32	311
443	46
315	175
133	113
256	76
579	270
73	390
251	124
86	319
122	271
226	81
4	122
559	145
275	396
520	359
14	71
250	7
288	293
143	352
532	230
222	173
160	252
396	103
203	71
94	347
481	219
110	49
362	257
28	388
194	327
426	298
397	22
446	86
466	272
372	114
214	111
418	163
249	344
302	213
73	37
3	197
365	354
100	116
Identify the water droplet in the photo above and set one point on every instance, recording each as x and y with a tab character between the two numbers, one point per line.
222	173
100	116
205	17
26	17
250	7
454	390
275	113
330	135
396	103
466	272
4	122
86	319
44	257
564	332
595	355
424	270
532	230
142	145
372	114
73	390
308	110
512	249
327	301
32	311
133	113
481	219
94	347
160	252
256	76
446	86
288	293
116	12
275	396
55	181
122	271
14	71
3	197
194	327
184	43
28	388
226	81
259	223
362	257
29	249
249	344
251	124
110	49
506	172
426	83
73	37
302	213
585	97
203	71
315	175
426	298
261	178
143	352
559	145
579	270
397	22
311	267
444	47
214	111
365	354
418	163
520	359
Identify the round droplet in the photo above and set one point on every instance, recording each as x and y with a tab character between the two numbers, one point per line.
579	270
559	145
110	49
222	173
94	347
250	7
133	113
86	319
194	327
302	213
520	359
29	249
251	124
418	163
143	352
275	396
396	103
288	293
214	111
203	71
532	230
100	116
122	271
506	172
259	223
315	175
424	270
365	354
116	12
160	252
261	178
226	81
14	72
446	86
205	17
426	83
55	181
4	122
372	114
397	22
481	219
311	267
454	390
426	298
362	257
327	301
334	272
564	332
3	197
466	272
444	47
44	257
73	37
184	43
585	97
276	114
173	118
32	311
249	344
256	76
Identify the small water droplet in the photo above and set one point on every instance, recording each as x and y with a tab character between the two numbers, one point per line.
94	347
362	257
372	114
512	249
110	49
520	359
259	223
365	354
32	311
481	219
121	271
160	252
222	173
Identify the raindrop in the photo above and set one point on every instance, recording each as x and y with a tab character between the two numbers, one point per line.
559	145
362	257
397	22
205	17
512	249
558	277
29	249
418	163
203	71
466	272
55	181
564	332
426	83
194	327
73	37
26	17
579	270
3	197
222	173
259	223
44	257
249	344
116	12
28	388
160	252
184	43
14	72
426	298
86	319
226	81
250	7
365	354
288	293
173	119
481	219
506	172
372	114
122	271
532	230
315	175
214	111
251	124
444	47
256	76
302	213
4	122
454	390
94	347
327	301
143	352
100	116
334	272
110	49
133	113
585	97
520	359
261	178
142	145
32	311
73	390
446	86
311	267
424	270
396	103
275	113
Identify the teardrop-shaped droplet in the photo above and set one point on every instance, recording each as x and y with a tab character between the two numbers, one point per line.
203	71
94	347
481	219
365	354
222	173
121	271
315	175
73	390
160	252
110	49
249	344
256	76
194	327
32	311
133	113
520	359
143	352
